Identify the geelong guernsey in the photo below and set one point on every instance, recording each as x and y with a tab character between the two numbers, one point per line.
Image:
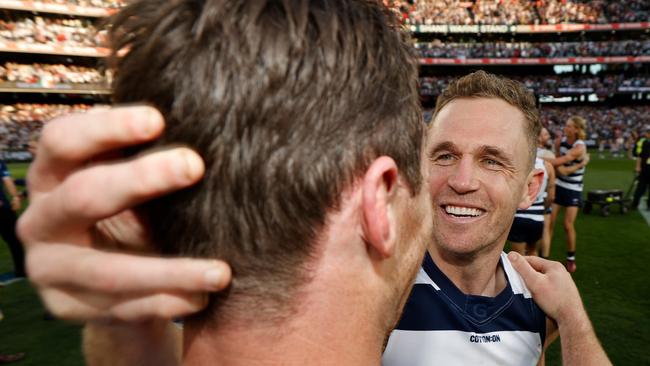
443	326
536	211
573	181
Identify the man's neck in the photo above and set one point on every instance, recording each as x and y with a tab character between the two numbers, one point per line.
476	274
328	340
341	319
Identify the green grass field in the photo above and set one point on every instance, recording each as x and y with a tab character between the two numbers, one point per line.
612	256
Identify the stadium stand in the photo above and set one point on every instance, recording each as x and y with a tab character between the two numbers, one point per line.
44	30
508	12
579	57
541	49
19	121
50	74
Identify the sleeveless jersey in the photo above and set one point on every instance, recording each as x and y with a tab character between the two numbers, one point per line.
573	181
536	211
443	326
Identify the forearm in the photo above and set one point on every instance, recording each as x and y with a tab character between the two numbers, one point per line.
559	160
566	170
11	187
580	346
121	344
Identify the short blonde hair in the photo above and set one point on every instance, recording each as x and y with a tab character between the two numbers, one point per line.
481	84
581	124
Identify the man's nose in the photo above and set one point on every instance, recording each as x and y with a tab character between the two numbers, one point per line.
464	179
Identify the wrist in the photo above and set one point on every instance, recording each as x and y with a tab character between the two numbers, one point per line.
574	321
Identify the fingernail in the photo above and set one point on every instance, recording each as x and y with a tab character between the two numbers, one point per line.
193	165
214	278
152	123
513	256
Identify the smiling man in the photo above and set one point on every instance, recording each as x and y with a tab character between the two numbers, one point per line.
468	304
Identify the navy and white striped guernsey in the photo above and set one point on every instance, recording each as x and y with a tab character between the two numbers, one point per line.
443	326
536	211
573	181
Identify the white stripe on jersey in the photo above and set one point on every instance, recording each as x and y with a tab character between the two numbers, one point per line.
504	348
533	217
533	212
516	282
424	279
573	182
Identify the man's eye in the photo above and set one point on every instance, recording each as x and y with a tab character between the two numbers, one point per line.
443	159
492	162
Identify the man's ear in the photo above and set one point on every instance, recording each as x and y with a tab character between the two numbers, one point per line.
533	184
379	189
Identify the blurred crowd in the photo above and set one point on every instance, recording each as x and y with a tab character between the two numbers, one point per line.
554	85
19	121
512	12
616	128
46	75
539	49
106	4
51	31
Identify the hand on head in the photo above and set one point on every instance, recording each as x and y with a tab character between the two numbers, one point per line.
87	247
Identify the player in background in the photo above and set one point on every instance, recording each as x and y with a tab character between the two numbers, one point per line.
529	225
642	168
8	211
543	152
543	144
568	192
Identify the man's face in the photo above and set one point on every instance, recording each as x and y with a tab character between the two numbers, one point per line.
479	165
570	129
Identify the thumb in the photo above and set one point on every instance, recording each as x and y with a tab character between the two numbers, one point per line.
526	271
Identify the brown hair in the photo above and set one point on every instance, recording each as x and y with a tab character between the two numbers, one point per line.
288	102
581	125
481	84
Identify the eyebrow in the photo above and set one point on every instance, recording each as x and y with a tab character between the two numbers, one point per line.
443	146
489	150
497	153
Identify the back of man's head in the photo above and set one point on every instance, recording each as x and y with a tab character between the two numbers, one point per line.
288	102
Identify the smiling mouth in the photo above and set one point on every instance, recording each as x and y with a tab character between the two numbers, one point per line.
460	211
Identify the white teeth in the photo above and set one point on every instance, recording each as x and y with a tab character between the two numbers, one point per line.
462	211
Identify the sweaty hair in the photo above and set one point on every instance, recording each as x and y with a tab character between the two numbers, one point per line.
580	125
288	102
481	84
